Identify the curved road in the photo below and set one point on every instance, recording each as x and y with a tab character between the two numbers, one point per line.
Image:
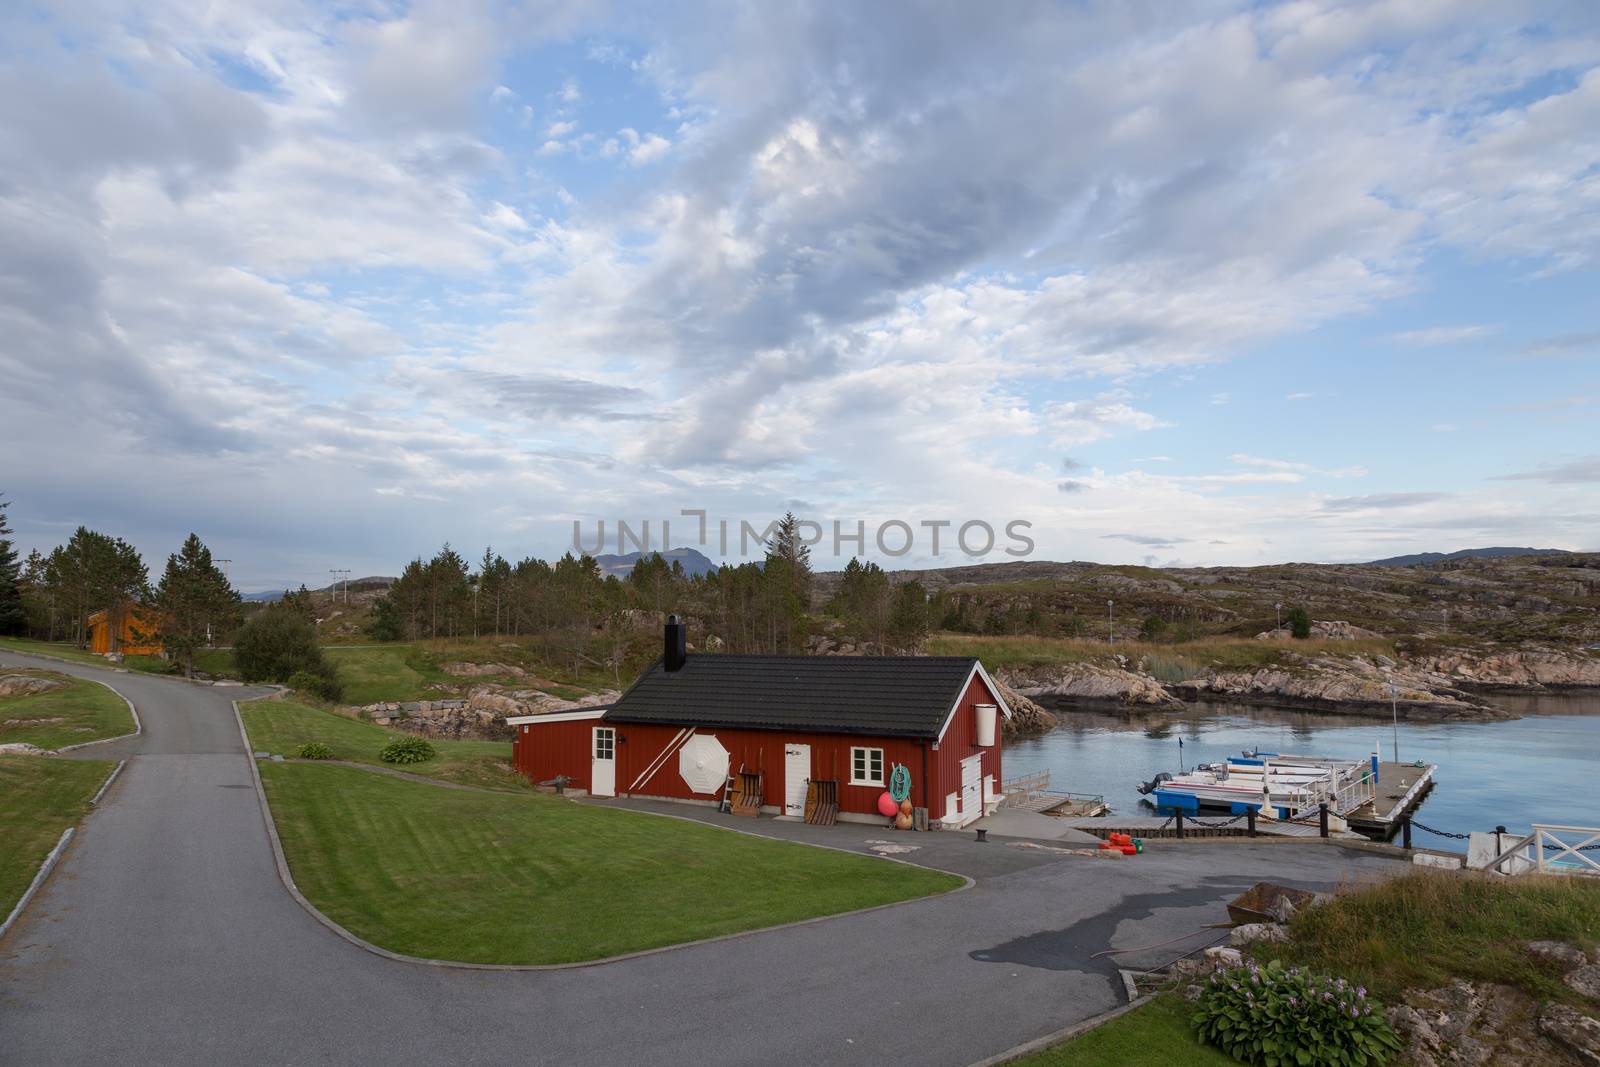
164	936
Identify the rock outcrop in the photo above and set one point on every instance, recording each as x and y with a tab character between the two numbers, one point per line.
1484	1023
481	670
1525	670
1028	719
21	685
1086	683
481	714
1344	687
1323	631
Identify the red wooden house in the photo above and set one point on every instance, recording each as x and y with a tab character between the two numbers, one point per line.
690	721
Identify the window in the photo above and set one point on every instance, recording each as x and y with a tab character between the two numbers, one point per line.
866	766
605	743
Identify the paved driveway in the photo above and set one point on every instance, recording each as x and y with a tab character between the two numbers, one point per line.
165	937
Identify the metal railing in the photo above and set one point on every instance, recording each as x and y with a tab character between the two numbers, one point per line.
1550	849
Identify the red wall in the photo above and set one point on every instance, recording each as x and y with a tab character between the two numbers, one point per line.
544	750
960	742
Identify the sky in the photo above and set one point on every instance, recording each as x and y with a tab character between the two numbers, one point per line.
1171	284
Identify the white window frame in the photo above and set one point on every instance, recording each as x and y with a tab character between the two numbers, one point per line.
609	736
882	765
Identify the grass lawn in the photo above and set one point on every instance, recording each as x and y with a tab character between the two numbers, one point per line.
82	711
487	878
386	672
39	798
1421	930
1155	1035
282	726
59	649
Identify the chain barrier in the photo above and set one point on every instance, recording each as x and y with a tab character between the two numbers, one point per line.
1438	833
1213	825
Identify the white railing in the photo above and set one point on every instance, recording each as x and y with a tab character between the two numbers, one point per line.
1551	850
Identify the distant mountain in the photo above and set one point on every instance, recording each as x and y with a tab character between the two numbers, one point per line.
357	585
1466	553
692	561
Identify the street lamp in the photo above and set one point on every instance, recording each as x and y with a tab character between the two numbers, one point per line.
1279	609
1394	710
1111	626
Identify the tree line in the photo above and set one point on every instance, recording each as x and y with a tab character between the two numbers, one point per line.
52	596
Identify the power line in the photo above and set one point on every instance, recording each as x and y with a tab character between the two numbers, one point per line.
338	576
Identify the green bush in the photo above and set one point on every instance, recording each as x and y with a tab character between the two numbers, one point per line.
1153	628
277	643
1289	1017
325	686
315	750
407	750
1299	623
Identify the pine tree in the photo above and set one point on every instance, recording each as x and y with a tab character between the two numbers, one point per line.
13	616
194	601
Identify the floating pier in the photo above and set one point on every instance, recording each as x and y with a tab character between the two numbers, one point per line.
1401	787
1032	792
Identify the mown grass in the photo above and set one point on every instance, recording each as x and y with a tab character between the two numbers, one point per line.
1168	661
39	799
59	649
77	712
371	673
1421	930
282	726
214	661
486	878
1157	1034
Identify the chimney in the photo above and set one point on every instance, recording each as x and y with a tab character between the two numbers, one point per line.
675	654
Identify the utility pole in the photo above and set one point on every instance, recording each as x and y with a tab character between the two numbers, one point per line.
338	576
225	577
1111	625
1394	709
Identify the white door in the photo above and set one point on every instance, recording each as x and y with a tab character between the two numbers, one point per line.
971	787
603	768
796	771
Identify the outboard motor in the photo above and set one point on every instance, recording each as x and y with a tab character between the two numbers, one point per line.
1155	783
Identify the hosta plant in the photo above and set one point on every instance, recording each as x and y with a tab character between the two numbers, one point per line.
407	750
1289	1017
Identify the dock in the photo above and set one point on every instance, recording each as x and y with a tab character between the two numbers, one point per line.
1156	826
1032	793
1401	787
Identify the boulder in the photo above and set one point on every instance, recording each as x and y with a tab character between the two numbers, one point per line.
1250	933
1223	956
1579	1034
20	685
1027	718
1562	955
22	748
1585	980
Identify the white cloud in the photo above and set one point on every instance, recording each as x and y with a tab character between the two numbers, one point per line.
1442	335
649	149
560	129
1077	422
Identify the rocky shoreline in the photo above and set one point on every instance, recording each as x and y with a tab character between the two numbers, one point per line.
1431	688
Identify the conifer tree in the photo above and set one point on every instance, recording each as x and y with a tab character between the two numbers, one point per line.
13	616
194	602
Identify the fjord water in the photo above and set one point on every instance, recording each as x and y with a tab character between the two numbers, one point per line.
1543	767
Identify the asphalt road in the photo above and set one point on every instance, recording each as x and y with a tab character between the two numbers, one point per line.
165	937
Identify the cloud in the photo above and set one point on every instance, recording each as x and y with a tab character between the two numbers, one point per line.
1299	396
1299	468
1383	501
1078	422
1070	486
1583	471
1146	540
1442	335
1564	345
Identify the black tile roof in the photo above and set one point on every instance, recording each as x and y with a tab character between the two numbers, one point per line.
898	696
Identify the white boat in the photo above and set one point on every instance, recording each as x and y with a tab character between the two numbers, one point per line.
1275	785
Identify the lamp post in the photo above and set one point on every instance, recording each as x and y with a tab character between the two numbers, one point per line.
1279	609
1111	626
1394	709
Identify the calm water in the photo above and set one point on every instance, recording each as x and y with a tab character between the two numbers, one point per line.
1544	767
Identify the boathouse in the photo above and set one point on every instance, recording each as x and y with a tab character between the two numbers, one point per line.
130	631
784	729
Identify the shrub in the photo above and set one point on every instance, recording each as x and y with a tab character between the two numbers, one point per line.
275	644
1153	628
1289	1017
325	686
315	750
1299	623
407	750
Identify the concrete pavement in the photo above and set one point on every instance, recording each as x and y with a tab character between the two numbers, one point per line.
165	937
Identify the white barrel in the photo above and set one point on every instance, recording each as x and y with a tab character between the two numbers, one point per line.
987	714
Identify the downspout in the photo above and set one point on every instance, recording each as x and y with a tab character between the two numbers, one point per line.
927	795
